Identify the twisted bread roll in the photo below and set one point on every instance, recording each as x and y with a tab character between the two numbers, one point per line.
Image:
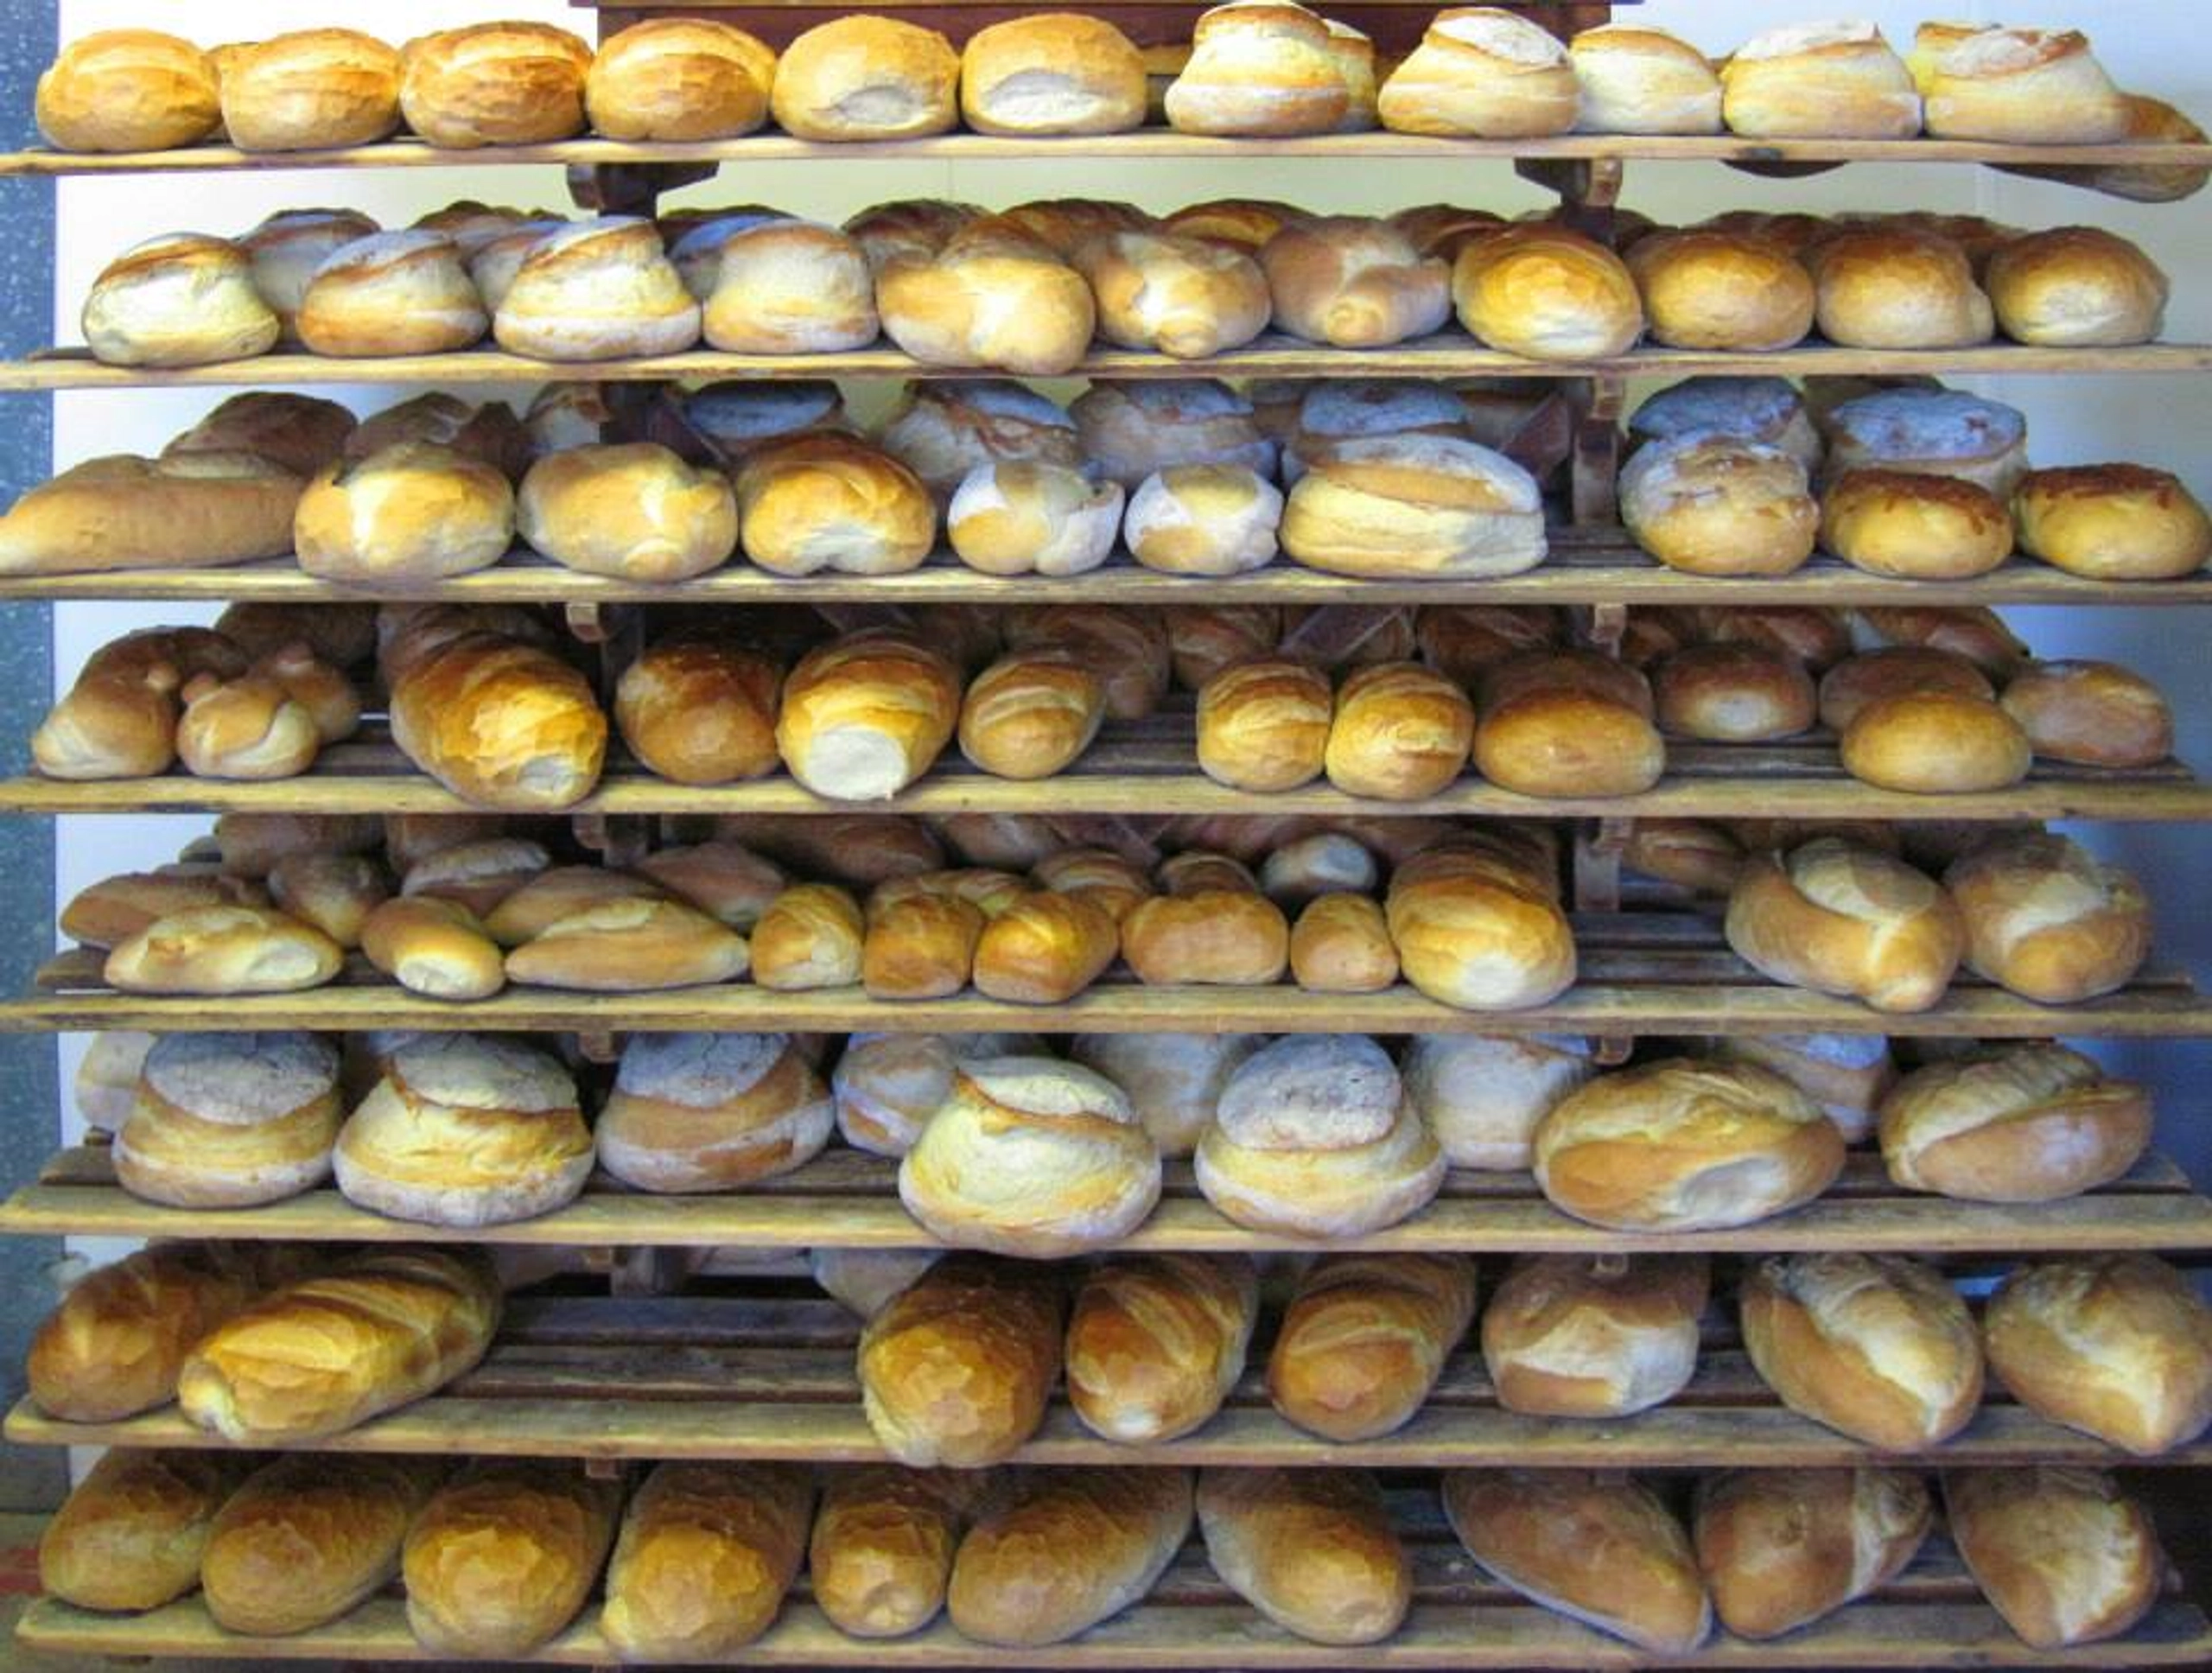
2045	919
1844	919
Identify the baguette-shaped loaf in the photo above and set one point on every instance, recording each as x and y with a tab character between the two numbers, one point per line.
881	1553
956	1369
1312	1550
308	1536
317	1357
1365	1339
115	1342
1067	1549
1156	1342
193	511
503	1555
706	1554
130	1535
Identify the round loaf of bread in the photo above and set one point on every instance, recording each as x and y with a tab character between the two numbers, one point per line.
1259	66
1879	1346
1894	287
1768	411
734	418
2063	1555
392	293
2016	87
1052	73
1354	282
1548	293
1684	1145
1483	73
596	292
2077	287
229	1120
1481	941
1202	520
711	1112
631	510
991	295
866	77
1635	80
1422	506
1566	723
1915	526
783	286
1206	938
128	90
1031	714
944	430
2098	714
1722	290
1031	1157
1594	1336
1482	1095
1841	918
494	83
2119	1345
2046	920
2112	522
310	88
180	300
1341	944
1028	516
1935	742
830	501
2030	1123
679	79
1894	671
1783	1548
1712	505
412	511
887	1086
864	716
1938	432
1127	430
1180	295
286	248
1732	693
1828	81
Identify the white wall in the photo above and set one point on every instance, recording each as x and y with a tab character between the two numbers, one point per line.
2154	46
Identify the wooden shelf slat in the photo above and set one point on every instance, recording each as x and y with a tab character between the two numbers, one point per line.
1153	143
843	1199
1873	1634
1150	766
1447	354
1581	570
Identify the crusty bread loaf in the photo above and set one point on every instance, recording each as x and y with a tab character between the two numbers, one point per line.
1482	1096
863	716
190	510
1365	1338
1594	1336
957	1368
1781	1549
2063	1554
308	1537
1488	938
129	1536
1546	292
180	300
808	937
1401	732
990	296
2046	919
1312	1550
1067	1549
1155	1342
1341	944
1045	947
502	724
867	78
679	79
1229	937
700	711
2026	1124
705	1555
115	1344
1635	79
711	1112
128	90
494	83
1482	72
1828	81
1844	919
231	1120
2098	714
1052	73
1261	67
2108	522
504	1554
1419	505
881	1555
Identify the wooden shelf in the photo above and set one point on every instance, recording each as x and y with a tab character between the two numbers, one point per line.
1447	354
1595	568
1156	143
1908	1626
1648	973
730	1377
1150	766
846	1199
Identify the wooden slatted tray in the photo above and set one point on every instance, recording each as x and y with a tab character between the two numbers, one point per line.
1150	766
1585	567
727	1378
1164	144
847	1199
1642	974
1447	354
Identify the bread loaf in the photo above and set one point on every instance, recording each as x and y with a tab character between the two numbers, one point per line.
501	724
2017	87
231	1120
1938	432
1844	919
711	1112
887	1086
1830	81
1052	73
319	1356
1230	938
866	78
704	1557
630	510
1259	66
1066	1549
504	1554
306	1537
494	83
956	1369
116	908
826	501
2063	1555
180	300
1312	1550
1914	525
1177	295
1365	1338
881	1555
115	1344
1546	293
1781	1549
1710	505
1341	944
1484	73
864	716
699	711
128	90
1488	940
1401	733
1417	506
942	430
1127	430
991	295
809	936
1156	1342
2029	1123
2045	919
2077	287
679	79
1024	517
1594	1336
1482	1096
1045	947
309	88
2095	713
130	1534
192	510
1173	1081
1566	723
1264	725
1897	286
391	293
2108	522
1845	1074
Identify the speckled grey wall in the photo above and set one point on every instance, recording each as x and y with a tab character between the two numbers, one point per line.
29	1478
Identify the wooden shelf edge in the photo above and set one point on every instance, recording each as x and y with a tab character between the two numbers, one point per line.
1871	1634
1447	355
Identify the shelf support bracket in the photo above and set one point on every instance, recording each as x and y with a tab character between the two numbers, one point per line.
1588	188
632	188
1598	849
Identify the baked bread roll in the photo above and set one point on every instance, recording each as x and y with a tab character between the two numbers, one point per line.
413	510
1353	282
1914	525
2029	1123
2096	713
2063	1555
630	946
1173	1081
1341	944
545	899
1264	725
1548	293
501	723
706	1553
1840	919
114	1346
679	79
1722	290
308	89
1567	723
1828	81
1312	1550
391	293
693	1112
867	78
990	296
1401	733
598	290
1895	671
783	286
1594	1336
2077	287
128	90
1481	73
494	83
2017	86
865	715
1935	742
922	946
1635	80
229	1120
1733	692
130	1534
2108	522
1709	505
1032	1157
2117	1345
1052	73
956	1369
317	1357
828	501
1259	67
180	300
434	947
881	1555
1031	714
631	510
1896	287
1180	296
1878	1346
1419	507
1481	939
247	728
503	1555
466	1130
699	711
809	936
110	726
1065	1550
1314	1137
1207	938
1365	1339
2045	920
1682	1145
1027	516
1155	1343
192	510
223	949
887	1086
286	248
1599	1549
1045	947
1129	429
1782	1549
944	430
1482	1096
306	1537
